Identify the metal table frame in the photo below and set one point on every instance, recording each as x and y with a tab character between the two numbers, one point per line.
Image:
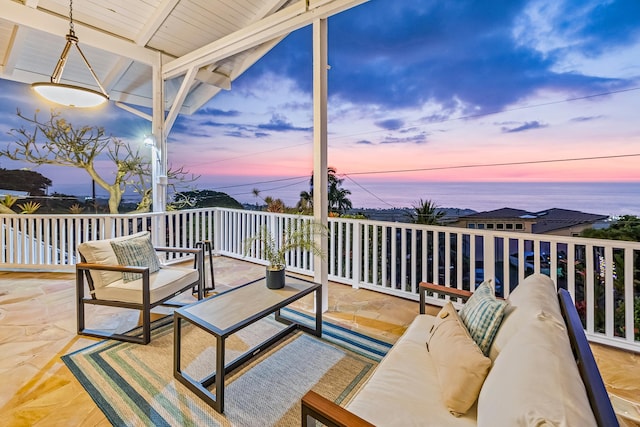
182	315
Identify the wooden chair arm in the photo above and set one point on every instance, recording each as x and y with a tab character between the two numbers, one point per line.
115	267
440	289
185	250
328	413
445	290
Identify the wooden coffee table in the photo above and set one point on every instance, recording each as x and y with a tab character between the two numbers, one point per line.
225	314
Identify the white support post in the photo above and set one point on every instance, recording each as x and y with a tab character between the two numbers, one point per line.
320	200
159	154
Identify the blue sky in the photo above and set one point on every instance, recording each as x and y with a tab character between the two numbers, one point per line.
420	87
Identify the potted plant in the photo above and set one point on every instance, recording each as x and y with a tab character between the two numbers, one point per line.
273	248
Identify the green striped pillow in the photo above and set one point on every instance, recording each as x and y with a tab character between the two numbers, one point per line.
138	252
482	315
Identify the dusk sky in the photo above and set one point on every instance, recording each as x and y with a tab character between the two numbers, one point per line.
419	86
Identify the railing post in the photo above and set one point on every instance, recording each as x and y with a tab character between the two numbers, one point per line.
356	253
489	256
217	230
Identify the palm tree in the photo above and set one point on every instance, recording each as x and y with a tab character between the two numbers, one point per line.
337	196
338	200
306	201
427	212
256	194
274	205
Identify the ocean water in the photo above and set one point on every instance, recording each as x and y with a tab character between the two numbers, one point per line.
598	198
606	198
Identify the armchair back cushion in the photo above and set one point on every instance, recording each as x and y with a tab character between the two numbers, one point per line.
101	252
138	252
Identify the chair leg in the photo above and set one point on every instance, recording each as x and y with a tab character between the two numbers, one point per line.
146	326
80	300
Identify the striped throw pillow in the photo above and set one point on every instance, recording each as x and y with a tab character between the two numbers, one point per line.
137	252
482	315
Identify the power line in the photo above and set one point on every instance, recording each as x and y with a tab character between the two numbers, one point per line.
260	182
271	189
366	190
346	175
482	165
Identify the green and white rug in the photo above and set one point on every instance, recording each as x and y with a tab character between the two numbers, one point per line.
133	384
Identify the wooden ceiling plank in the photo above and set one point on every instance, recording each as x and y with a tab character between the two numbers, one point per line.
32	18
155	22
278	24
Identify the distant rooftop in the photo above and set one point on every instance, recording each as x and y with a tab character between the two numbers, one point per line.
545	221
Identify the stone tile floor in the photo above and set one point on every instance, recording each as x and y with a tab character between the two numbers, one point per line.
38	325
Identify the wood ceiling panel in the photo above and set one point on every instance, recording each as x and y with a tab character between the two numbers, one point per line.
125	18
6	37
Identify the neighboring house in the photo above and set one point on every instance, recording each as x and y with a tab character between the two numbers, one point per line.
562	222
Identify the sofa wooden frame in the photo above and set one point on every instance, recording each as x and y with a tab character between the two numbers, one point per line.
83	270
316	407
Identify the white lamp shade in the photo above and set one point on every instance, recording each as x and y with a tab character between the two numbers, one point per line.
69	95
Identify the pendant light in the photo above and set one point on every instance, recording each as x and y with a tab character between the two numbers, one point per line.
66	94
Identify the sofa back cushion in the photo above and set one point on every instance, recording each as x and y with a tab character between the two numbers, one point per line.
482	315
535	297
534	381
101	252
459	362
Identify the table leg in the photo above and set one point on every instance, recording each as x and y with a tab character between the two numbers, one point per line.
220	368
318	293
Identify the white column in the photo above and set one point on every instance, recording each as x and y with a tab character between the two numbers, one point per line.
160	178
159	154
320	196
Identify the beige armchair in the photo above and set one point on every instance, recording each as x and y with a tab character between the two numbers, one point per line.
125	272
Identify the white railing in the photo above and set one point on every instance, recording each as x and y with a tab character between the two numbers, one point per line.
602	275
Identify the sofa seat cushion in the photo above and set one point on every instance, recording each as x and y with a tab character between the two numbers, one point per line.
101	252
404	389
164	283
534	381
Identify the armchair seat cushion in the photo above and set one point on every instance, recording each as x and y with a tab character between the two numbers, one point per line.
101	252
162	284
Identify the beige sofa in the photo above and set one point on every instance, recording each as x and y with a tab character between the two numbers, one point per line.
533	378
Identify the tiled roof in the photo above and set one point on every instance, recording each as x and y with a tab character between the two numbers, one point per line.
499	213
554	219
544	221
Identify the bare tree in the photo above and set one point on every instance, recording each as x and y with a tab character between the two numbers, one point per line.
56	142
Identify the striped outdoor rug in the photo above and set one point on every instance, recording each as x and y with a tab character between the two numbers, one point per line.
133	384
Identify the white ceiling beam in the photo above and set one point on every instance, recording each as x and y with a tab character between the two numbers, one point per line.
280	23
179	100
204	94
155	21
32	18
233	43
115	74
214	78
135	111
16	42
